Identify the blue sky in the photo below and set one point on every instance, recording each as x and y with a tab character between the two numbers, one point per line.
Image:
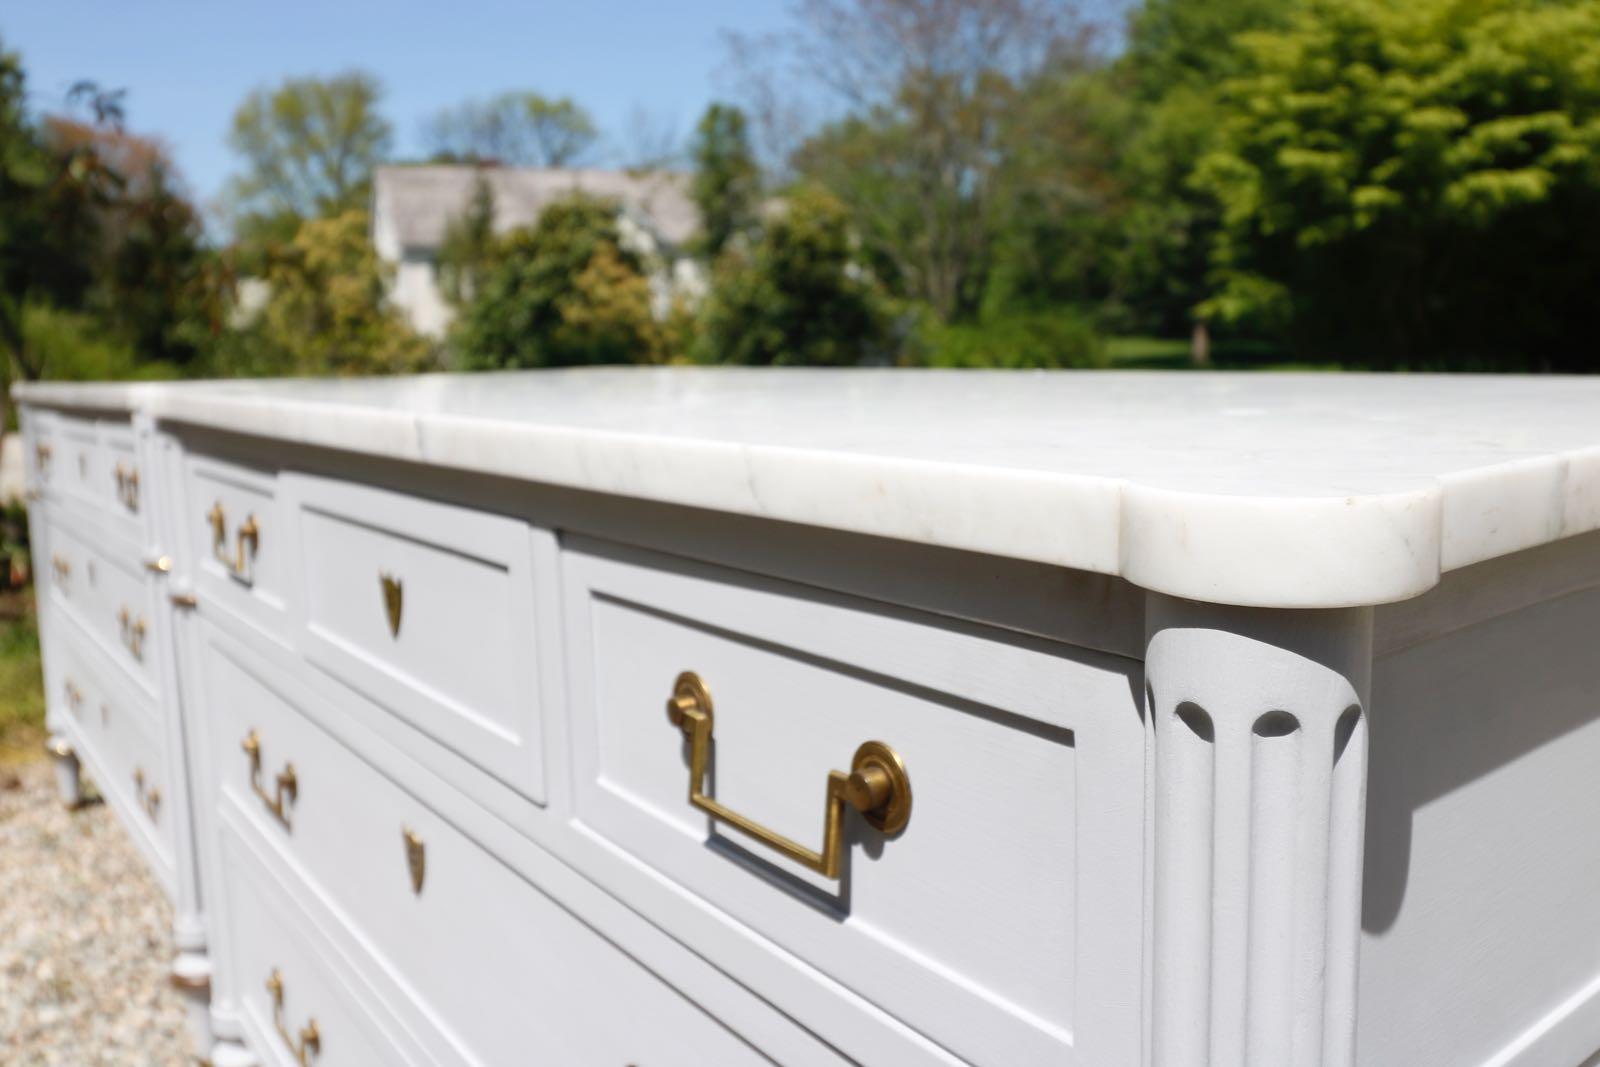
186	64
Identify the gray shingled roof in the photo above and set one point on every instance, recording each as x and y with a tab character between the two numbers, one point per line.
421	201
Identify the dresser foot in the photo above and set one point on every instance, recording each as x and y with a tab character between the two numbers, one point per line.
69	777
1259	734
232	1054
191	977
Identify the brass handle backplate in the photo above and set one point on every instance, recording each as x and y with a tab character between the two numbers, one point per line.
288	786
241	563
308	1041
61	566
127	486
149	799
876	786
41	454
133	631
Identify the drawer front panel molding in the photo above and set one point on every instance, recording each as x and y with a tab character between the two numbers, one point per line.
1026	761
428	609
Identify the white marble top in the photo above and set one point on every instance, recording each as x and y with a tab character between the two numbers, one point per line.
1277	490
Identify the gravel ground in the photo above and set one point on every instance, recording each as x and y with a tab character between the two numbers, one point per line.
85	937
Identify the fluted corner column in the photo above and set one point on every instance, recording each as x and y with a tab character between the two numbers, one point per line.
1259	732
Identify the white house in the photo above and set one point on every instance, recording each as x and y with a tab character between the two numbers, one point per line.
413	205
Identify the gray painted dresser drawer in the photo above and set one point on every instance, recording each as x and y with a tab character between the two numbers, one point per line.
428	609
1024	769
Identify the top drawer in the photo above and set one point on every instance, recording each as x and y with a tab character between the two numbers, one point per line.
232	525
428	609
991	898
93	461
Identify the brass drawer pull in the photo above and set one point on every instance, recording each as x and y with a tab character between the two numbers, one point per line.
288	786
133	631
241	563
309	1040
127	486
74	694
877	785
393	600
416	857
149	800
61	566
41	455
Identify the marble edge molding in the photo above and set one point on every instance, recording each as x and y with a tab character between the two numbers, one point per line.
1292	552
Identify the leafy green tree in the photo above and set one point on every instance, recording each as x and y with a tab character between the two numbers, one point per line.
562	292
1161	97
799	296
327	312
309	147
1417	183
727	181
468	247
519	128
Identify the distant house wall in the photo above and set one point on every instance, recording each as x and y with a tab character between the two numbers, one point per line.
415	291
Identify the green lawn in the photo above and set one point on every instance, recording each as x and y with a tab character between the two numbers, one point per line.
1163	353
21	681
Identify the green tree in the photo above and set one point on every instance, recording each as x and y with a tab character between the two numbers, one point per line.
798	296
309	147
927	88
468	247
1161	96
560	293
520	128
1417	183
727	181
327	312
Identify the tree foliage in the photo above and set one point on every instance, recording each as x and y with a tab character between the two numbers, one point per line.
309	147
327	312
469	247
561	293
929	88
727	181
515	128
1416	183
798	296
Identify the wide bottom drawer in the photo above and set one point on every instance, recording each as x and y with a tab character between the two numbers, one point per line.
490	970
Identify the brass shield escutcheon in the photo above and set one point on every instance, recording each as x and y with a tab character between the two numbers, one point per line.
416	858
393	595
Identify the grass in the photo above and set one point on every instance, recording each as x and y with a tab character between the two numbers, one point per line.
21	678
1163	353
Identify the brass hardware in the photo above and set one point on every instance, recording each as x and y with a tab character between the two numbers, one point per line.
159	565
249	532
393	600
416	858
59	748
127	486
74	694
184	600
41	455
308	1041
288	786
133	631
61	566
149	800
877	785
